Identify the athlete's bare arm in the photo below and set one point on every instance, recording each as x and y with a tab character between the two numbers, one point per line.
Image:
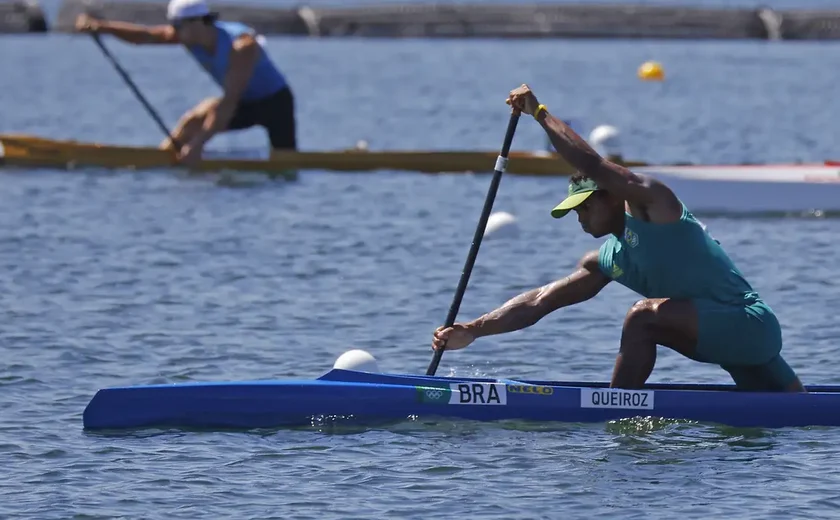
530	307
129	32
645	194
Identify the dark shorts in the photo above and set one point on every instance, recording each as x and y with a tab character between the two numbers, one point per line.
275	113
746	341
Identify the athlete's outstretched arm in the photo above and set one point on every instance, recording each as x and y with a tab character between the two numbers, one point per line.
639	190
644	193
129	32
530	307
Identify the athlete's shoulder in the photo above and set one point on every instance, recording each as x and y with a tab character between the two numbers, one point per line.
609	243
688	217
235	29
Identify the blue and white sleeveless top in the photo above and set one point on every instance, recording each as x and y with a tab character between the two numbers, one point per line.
266	79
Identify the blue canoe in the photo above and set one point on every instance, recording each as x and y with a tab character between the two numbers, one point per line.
367	397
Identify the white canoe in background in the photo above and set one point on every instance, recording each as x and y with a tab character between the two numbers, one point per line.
755	188
772	188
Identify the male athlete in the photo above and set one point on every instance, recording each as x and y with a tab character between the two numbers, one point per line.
255	92
696	302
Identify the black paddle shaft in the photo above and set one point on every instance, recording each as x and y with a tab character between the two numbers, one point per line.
133	87
501	164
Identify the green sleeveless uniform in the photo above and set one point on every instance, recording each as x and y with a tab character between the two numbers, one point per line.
680	260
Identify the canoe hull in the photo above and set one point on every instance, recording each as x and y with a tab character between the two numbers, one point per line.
795	188
792	188
32	151
357	397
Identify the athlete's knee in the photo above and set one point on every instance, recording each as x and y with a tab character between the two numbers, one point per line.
200	111
206	104
641	315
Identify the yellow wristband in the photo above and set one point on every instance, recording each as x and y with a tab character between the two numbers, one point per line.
540	108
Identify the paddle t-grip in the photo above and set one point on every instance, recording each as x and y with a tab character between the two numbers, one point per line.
501	166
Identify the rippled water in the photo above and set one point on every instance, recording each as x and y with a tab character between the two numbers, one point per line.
112	278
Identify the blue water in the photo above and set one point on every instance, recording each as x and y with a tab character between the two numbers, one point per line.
111	278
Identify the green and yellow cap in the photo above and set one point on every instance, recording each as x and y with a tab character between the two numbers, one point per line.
579	191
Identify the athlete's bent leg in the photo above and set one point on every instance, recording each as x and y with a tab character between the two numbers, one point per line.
746	341
281	124
796	386
190	123
774	376
652	322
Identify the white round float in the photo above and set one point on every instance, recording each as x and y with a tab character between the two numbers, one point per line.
501	223
357	360
606	140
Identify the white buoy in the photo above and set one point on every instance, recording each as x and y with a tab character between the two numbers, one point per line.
501	223
357	360
606	140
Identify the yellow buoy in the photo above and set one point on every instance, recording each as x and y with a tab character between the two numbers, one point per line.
651	71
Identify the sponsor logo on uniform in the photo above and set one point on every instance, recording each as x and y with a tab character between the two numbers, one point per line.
615	398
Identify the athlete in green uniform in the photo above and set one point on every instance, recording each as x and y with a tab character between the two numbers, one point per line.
696	301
